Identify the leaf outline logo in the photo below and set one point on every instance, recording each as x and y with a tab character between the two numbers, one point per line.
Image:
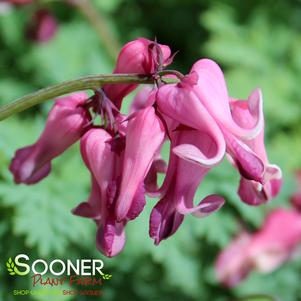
11	268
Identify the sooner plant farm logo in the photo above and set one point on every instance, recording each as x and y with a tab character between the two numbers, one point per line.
58	273
57	267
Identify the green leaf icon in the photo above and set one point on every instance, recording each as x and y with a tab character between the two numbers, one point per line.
106	276
11	267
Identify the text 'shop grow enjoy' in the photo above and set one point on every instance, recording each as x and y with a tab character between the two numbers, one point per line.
195	112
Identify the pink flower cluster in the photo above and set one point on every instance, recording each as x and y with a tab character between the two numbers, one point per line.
202	122
264	250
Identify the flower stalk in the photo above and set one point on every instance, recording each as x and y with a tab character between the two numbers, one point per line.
83	83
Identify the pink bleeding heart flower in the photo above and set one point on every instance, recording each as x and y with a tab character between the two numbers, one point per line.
264	251
104	160
139	56
252	191
180	103
146	97
42	26
179	187
144	137
212	91
201	101
276	241
232	264
66	123
296	197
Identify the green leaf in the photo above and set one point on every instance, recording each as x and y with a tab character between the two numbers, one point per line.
271	68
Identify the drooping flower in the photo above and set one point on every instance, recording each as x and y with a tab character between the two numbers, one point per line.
180	184
276	241
139	56
212	91
232	264
264	251
180	103
104	162
251	191
144	137
66	123
204	93
118	167
144	98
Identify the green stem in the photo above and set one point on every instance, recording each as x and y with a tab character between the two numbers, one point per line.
84	83
178	74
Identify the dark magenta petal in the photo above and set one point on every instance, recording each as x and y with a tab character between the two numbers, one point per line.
84	209
138	203
252	193
111	193
248	163
110	238
164	221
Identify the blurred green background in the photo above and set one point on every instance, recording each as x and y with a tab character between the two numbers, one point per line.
258	44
